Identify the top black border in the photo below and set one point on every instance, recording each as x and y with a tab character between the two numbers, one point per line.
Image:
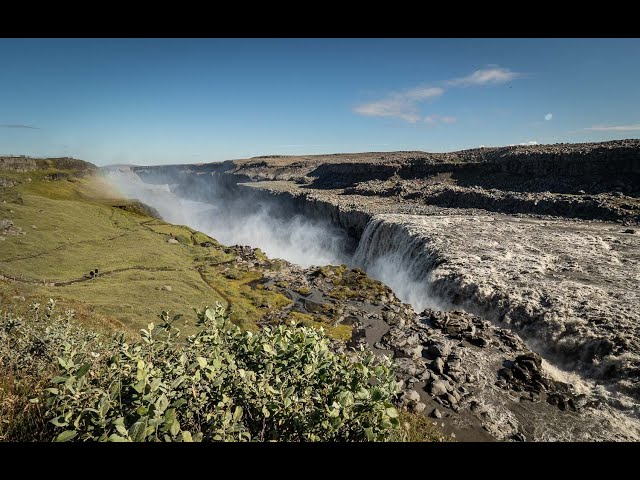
421	19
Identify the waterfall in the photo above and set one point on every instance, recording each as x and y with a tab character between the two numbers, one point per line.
388	252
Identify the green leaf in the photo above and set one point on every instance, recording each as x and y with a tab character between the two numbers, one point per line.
82	371
162	403
53	391
155	384
268	348
138	430
392	412
66	436
59	421
176	383
59	379
265	412
186	436
376	395
117	438
103	406
237	414
139	387
175	428
202	362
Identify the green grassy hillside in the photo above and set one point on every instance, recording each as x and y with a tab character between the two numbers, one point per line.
66	225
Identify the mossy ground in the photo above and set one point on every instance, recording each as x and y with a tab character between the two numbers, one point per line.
340	332
77	224
352	283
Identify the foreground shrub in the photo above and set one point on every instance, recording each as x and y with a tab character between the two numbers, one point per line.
221	384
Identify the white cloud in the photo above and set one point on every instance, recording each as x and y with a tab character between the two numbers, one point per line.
548	116
487	76
405	105
530	142
614	128
402	105
433	119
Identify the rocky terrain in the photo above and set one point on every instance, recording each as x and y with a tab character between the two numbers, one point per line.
500	252
478	381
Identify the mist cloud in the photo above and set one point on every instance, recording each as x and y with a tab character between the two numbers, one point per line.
241	221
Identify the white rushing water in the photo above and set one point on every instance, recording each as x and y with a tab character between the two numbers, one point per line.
295	238
400	261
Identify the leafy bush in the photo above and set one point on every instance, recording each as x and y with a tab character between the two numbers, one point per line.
220	384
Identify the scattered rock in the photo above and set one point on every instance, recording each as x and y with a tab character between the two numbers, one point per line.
419	407
437	388
439	349
436	413
413	352
481	342
438	365
172	241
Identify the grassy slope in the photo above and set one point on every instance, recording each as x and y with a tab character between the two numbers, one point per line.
74	225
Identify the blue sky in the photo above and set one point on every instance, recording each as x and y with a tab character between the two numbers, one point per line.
158	101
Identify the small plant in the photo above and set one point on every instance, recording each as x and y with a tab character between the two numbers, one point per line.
221	384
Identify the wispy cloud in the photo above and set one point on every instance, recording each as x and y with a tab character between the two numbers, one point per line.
486	76
402	105
530	142
11	125
548	116
614	128
405	105
433	119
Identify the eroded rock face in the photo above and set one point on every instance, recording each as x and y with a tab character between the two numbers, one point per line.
571	288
